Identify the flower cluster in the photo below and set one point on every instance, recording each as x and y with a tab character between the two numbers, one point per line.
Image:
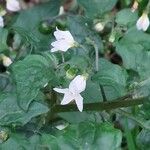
64	41
11	5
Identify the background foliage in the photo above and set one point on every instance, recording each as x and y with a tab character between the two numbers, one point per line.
28	117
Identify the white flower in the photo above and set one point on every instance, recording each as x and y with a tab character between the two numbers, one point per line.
1	21
99	27
12	5
77	85
64	41
6	61
143	22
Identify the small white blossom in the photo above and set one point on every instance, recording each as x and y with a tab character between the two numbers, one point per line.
6	61
76	86
143	22
134	6
1	21
13	5
99	27
64	41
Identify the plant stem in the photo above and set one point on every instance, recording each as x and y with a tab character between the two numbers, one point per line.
103	93
96	57
129	136
82	47
62	56
148	7
118	103
91	42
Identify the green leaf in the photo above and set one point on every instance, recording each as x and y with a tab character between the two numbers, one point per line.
11	114
49	141
16	141
126	17
86	135
143	140
113	79
92	92
35	15
3	39
30	75
91	136
78	25
96	8
133	48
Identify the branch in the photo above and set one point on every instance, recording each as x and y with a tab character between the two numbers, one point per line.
100	106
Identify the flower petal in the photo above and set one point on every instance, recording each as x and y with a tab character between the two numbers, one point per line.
61	90
63	35
60	45
79	102
143	22
139	23
78	84
68	97
1	21
54	50
12	5
146	23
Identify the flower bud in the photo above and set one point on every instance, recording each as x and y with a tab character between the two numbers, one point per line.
6	61
99	27
134	6
71	73
3	136
112	37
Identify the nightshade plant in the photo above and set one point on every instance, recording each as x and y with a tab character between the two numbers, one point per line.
74	75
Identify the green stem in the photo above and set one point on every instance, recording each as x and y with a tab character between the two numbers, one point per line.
62	56
118	103
129	136
82	47
91	42
148	7
96	57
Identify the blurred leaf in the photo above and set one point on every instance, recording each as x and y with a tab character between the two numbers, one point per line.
91	136
96	8
78	117
30	75
92	92
133	49
126	17
78	25
113	79
29	20
84	136
11	114
16	141
143	140
3	39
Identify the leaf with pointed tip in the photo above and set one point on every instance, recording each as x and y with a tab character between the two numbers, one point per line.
30	75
